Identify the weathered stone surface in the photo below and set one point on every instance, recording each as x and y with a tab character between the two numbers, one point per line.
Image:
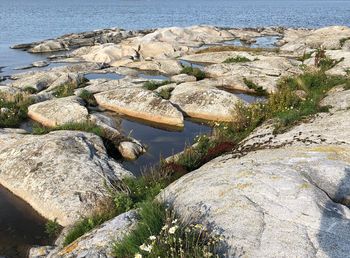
168	66
180	78
49	46
46	80
142	104
343	67
98	242
60	111
131	150
272	203
264	72
204	102
217	57
338	99
61	174
106	53
299	41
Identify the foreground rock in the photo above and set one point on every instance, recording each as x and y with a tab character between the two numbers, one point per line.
142	104
97	243
58	112
63	174
197	100
278	195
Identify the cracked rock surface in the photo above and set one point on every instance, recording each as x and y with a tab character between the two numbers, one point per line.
287	198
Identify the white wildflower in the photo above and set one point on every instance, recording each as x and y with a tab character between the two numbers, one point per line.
174	221
147	248
152	238
138	255
165	227
172	229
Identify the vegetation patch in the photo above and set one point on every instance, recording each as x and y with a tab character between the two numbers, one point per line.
67	89
153	85
52	228
88	97
305	56
324	62
165	93
236	48
196	72
13	109
258	89
89	127
30	90
237	59
160	233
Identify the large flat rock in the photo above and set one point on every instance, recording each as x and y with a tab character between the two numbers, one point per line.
61	174
200	100
142	104
60	111
272	203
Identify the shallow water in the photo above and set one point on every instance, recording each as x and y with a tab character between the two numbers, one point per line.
20	226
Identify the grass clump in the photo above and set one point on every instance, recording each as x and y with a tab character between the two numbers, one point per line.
305	56
237	59
160	233
196	72
13	109
258	89
153	85
30	90
165	93
64	90
85	225
323	61
84	126
52	228
88	97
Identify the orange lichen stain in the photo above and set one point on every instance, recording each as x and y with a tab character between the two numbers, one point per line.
242	186
70	248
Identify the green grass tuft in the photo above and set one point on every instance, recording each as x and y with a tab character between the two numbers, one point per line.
88	97
196	72
153	85
258	89
237	59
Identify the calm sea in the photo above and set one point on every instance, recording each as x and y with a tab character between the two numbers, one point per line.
30	20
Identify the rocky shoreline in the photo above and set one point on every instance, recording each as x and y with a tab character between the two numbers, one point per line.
274	195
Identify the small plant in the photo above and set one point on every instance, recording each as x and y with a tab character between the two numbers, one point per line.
153	85
13	109
30	90
64	90
305	56
237	59
85	225
196	72
325	62
258	89
52	228
165	93
160	233
85	127
88	97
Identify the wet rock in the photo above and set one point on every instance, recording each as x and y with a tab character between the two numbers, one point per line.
63	174
204	102
180	78
98	242
40	64
142	104
58	112
131	150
